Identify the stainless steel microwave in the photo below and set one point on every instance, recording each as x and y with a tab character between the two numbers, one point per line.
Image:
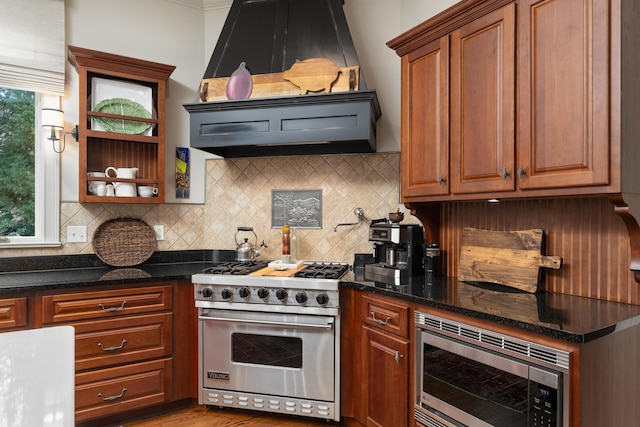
462	383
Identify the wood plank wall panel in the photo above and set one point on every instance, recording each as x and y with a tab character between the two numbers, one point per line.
585	232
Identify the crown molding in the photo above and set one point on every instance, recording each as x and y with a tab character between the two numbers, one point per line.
216	4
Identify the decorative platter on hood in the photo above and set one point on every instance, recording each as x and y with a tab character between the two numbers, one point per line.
123	242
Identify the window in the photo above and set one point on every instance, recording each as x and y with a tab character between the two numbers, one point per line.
32	65
29	172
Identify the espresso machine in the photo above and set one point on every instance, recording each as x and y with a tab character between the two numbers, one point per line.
398	252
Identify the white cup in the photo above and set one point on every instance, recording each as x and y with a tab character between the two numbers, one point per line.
147	191
92	186
111	190
125	189
101	190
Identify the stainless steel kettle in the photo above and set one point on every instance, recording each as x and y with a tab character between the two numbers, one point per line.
247	251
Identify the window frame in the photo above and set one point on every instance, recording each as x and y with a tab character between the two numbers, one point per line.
47	187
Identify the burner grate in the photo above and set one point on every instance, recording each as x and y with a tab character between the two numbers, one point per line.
323	271
236	268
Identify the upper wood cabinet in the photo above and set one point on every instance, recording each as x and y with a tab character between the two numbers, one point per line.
563	90
105	76
424	149
517	93
483	103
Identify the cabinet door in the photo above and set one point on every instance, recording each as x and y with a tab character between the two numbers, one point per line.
425	120
483	104
13	313
386	368
563	74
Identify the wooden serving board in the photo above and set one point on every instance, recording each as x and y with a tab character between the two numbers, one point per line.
268	271
275	84
510	258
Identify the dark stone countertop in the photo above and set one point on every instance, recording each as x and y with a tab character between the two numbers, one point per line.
27	274
565	317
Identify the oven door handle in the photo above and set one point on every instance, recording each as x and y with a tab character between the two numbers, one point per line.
329	325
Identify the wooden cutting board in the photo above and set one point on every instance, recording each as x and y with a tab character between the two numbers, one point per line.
268	271
510	258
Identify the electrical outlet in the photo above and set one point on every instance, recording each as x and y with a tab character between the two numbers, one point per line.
159	229
77	233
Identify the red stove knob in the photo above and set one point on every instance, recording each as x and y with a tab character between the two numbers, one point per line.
281	294
301	297
207	292
322	299
226	294
263	293
244	292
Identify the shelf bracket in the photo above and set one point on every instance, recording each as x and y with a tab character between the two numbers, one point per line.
627	206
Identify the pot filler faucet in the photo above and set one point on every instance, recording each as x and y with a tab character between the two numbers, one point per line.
358	212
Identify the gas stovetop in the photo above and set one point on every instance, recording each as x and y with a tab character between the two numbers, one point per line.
313	289
236	267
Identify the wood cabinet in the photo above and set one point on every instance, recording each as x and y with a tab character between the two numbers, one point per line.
104	76
376	346
555	139
563	88
424	150
123	346
483	103
13	313
549	112
385	351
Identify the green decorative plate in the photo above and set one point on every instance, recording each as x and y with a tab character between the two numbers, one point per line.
123	107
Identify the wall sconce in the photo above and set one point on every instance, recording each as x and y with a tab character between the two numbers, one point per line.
53	118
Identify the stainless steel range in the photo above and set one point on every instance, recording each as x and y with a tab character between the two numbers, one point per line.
270	340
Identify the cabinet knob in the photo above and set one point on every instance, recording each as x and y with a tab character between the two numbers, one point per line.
399	357
522	172
505	174
441	179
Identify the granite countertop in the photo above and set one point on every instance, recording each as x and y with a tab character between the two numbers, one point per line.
566	317
72	271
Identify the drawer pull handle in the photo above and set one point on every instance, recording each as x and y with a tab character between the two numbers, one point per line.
114	348
118	396
112	309
399	357
380	322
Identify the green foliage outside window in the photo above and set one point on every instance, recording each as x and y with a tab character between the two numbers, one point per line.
17	162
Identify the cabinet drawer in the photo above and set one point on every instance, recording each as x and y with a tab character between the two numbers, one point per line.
105	304
386	315
109	391
13	313
122	340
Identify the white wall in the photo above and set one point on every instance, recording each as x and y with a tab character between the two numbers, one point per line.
184	33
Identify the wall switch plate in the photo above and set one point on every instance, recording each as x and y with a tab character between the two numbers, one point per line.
159	229
77	233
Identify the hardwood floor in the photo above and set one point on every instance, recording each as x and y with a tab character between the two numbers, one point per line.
201	416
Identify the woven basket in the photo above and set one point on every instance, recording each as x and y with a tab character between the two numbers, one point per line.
123	242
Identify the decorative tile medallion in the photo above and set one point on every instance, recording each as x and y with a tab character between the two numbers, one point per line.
296	208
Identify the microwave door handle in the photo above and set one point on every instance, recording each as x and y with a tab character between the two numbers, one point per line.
328	325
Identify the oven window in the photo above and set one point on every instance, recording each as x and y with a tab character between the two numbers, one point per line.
483	391
266	350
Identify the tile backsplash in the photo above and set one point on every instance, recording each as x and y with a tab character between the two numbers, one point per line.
239	194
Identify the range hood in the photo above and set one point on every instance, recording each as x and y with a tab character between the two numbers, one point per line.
269	36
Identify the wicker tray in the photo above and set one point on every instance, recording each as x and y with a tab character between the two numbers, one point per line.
123	242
